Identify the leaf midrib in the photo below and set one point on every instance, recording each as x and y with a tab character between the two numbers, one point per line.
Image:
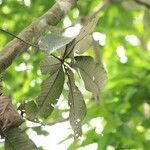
51	87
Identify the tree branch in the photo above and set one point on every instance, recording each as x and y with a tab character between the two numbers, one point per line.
33	32
100	7
143	3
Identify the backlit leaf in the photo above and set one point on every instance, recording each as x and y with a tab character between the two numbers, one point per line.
94	75
51	89
77	106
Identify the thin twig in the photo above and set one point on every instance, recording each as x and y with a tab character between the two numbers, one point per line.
13	35
143	3
48	124
30	44
100	7
57	121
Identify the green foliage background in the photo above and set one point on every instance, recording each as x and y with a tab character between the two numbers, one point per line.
125	102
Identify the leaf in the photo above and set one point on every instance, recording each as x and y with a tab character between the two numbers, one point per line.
53	42
40	131
87	29
84	44
18	140
94	75
49	65
83	41
51	89
68	52
100	75
77	106
31	110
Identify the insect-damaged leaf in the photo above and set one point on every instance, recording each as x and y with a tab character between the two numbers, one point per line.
77	106
94	75
18	140
49	65
53	42
51	89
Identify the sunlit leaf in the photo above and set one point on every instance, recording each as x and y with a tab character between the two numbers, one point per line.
18	140
77	106
53	42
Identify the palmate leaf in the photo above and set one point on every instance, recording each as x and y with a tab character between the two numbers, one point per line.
15	139
53	42
94	75
77	106
51	89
